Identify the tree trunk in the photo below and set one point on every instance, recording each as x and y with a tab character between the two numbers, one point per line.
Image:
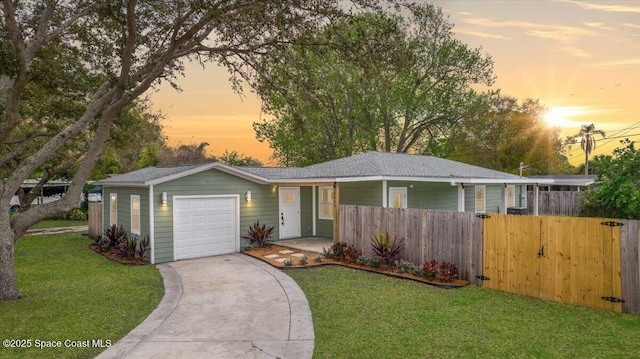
586	162
8	283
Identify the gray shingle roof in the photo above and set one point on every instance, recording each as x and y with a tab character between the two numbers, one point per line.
370	164
403	165
375	164
148	174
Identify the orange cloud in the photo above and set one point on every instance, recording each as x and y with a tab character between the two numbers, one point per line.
482	34
551	31
591	6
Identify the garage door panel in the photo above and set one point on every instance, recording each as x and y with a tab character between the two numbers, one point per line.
205	226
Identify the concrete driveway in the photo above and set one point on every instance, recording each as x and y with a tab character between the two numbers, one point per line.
229	306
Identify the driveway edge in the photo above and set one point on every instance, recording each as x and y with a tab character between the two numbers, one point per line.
301	334
172	295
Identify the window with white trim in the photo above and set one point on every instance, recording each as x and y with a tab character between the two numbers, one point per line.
325	204
511	196
113	209
480	199
135	214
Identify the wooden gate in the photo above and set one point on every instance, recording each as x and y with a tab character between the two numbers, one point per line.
566	259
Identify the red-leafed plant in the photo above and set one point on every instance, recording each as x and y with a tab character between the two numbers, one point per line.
351	254
386	250
260	235
442	272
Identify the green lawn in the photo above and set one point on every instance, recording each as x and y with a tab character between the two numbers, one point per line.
364	315
73	293
53	223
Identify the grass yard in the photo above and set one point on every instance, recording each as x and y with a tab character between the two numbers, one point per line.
363	315
73	293
53	223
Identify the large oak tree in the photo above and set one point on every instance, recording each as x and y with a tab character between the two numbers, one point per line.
125	47
387	82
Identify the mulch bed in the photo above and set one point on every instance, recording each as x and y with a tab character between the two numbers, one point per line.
117	259
260	254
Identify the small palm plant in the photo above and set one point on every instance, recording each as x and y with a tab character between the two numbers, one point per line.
260	235
384	249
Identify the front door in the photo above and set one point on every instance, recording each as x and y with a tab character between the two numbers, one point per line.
289	212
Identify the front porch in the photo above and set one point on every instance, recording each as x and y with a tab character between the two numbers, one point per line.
312	244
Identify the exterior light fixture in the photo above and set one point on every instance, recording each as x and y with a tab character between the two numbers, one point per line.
164	197
248	196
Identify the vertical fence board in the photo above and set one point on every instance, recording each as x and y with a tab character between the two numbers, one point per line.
440	235
630	266
556	203
580	259
95	220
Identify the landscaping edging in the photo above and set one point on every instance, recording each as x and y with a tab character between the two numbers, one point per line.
329	261
119	260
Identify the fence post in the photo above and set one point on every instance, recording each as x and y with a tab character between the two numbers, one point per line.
95	219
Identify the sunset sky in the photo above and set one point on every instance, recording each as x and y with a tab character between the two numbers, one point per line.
579	58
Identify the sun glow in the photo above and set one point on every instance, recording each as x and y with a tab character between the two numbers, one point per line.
563	116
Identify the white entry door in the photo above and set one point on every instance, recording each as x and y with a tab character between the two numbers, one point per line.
289	212
398	197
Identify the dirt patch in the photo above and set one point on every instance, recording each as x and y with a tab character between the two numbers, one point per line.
262	253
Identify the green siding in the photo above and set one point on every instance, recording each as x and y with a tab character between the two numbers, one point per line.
429	195
493	198
361	193
306	211
124	207
263	206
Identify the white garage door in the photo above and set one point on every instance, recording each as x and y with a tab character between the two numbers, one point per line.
205	226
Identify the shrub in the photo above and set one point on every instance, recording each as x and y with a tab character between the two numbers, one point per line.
385	250
430	269
342	251
115	234
444	271
405	266
336	251
76	214
303	260
318	258
374	262
143	247
288	262
351	254
260	235
363	260
448	272
127	248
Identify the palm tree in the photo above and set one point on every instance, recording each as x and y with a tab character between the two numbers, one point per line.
587	142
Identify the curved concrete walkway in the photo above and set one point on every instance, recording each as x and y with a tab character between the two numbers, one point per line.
229	306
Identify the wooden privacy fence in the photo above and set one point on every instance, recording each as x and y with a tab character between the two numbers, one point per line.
566	259
442	235
556	203
95	220
579	261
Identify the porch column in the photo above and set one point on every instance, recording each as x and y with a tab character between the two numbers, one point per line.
503	192
385	197
314	215
460	197
152	227
336	212
536	199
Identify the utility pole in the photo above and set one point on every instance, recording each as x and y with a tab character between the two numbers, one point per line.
522	167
